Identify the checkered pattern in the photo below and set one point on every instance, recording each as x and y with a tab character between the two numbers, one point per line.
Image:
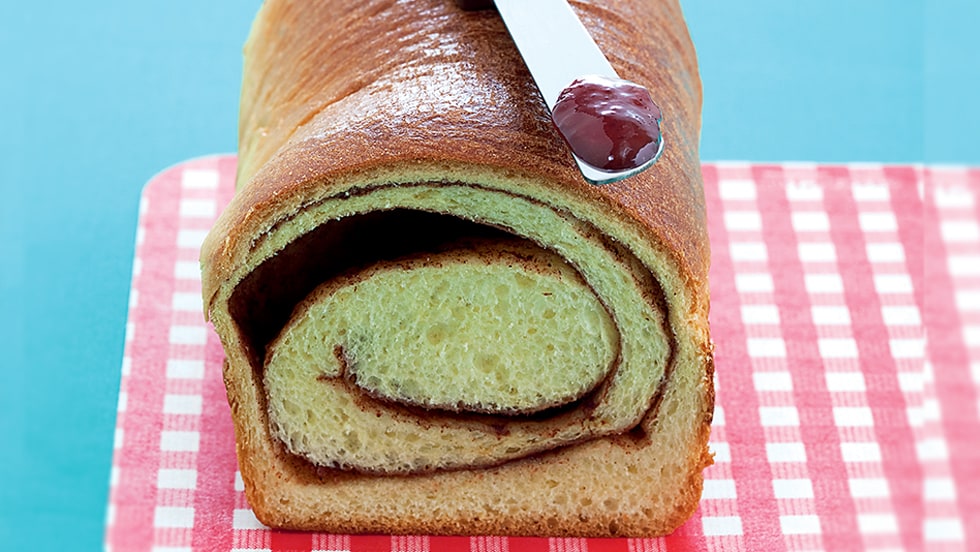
948	448
838	425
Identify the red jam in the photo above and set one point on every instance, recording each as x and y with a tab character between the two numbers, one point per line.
611	124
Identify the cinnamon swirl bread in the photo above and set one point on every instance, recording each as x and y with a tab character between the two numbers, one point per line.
432	323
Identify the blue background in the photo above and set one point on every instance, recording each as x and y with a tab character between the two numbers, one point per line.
96	97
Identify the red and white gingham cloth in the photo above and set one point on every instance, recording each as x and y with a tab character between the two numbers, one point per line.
839	426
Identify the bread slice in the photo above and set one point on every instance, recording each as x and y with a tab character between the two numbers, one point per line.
432	324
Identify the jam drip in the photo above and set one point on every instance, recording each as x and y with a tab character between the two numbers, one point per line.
611	124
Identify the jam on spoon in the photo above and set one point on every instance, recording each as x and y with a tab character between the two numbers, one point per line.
612	126
610	123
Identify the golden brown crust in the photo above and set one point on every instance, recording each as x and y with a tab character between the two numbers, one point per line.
427	90
454	91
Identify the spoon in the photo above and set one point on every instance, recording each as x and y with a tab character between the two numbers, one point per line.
611	125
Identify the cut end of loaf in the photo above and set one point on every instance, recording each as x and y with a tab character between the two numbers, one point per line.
548	349
374	379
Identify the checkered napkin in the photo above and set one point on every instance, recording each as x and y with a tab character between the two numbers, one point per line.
838	425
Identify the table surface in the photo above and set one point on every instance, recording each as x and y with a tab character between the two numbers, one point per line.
100	96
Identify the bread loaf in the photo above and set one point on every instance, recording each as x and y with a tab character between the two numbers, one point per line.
432	323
